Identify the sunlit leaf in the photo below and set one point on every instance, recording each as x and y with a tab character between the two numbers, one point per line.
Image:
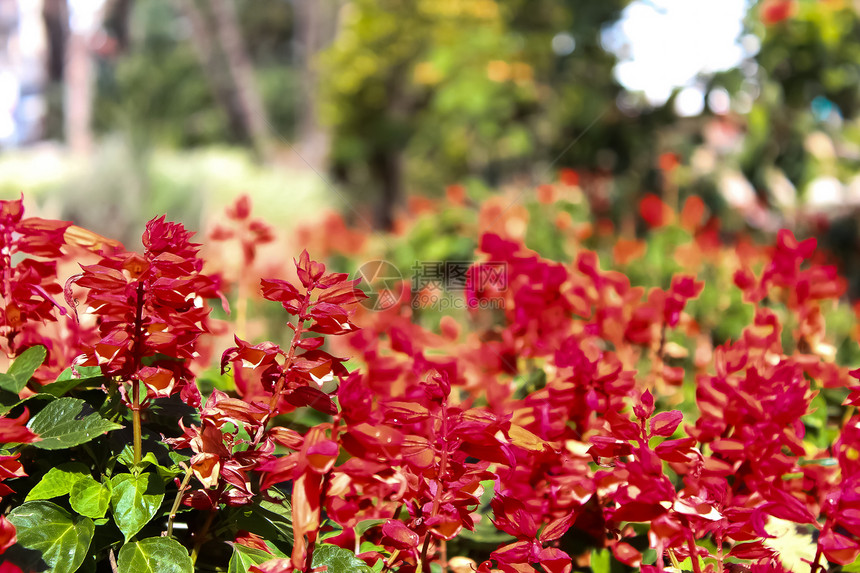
90	497
154	555
68	422
135	501
58	481
62	539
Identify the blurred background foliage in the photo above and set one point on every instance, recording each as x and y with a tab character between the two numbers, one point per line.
366	105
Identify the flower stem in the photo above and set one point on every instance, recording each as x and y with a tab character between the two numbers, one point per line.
391	560
242	308
178	501
135	382
135	420
673	559
815	565
297	336
202	535
323	494
694	555
309	557
424	565
719	552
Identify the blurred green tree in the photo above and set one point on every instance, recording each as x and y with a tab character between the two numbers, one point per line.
808	81
425	93
184	76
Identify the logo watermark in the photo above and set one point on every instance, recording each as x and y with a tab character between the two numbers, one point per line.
440	285
380	281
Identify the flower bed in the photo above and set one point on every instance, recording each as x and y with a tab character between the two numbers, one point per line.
566	416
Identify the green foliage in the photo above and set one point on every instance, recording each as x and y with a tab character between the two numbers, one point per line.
271	519
68	422
60	538
244	557
90	498
338	560
154	555
600	561
73	377
135	500
157	90
22	369
807	78
58	481
471	88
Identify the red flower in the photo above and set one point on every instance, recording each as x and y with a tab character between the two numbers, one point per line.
148	305
13	430
27	287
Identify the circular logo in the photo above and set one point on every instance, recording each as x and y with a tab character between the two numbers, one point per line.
380	281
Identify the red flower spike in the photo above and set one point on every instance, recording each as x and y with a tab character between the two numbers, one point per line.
681	450
554	530
276	565
753	550
28	285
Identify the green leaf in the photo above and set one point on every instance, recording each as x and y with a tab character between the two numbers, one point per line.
154	555
135	501
243	557
126	458
370	546
62	539
58	481
824	462
600	561
22	369
338	560
271	520
90	497
9	400
9	384
73	377
68	422
362	526
81	373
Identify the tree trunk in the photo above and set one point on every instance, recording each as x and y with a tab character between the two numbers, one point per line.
207	54
117	20
228	69
248	99
386	167
55	14
78	76
315	28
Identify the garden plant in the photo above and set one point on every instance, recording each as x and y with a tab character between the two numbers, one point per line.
591	403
